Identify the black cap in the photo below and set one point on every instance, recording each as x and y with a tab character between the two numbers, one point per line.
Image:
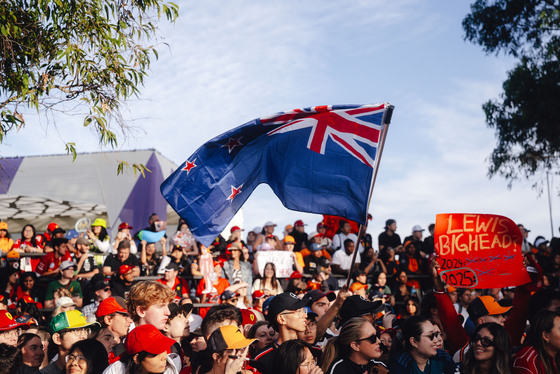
58	231
100	284
227	295
282	302
316	295
356	306
196	333
172	266
175	309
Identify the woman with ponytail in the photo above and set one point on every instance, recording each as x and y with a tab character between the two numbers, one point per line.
354	349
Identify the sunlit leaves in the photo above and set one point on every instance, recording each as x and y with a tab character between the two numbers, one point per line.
95	52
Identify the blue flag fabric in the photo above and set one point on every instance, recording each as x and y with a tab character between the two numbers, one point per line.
317	160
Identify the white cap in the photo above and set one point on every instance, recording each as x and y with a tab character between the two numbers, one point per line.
417	228
313	234
269	223
65	301
540	240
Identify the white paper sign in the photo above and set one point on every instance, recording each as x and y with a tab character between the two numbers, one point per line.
281	259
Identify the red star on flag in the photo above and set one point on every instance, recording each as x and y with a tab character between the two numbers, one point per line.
190	165
234	192
232	143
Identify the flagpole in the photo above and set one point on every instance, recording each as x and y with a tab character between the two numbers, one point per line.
386	121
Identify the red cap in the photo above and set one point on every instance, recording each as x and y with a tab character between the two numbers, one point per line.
125	225
125	269
52	226
296	275
235	228
299	222
147	338
249	318
258	294
7	322
109	306
321	224
27	299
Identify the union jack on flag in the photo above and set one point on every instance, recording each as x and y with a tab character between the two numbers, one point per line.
318	160
344	127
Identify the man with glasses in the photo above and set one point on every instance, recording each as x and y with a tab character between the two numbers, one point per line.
67	328
9	328
286	315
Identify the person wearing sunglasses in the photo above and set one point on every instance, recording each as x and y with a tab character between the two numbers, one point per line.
355	350
489	351
417	352
101	291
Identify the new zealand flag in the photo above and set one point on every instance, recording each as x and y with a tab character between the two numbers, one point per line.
317	160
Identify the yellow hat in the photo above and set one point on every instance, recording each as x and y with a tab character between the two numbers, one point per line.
72	319
3	226
99	222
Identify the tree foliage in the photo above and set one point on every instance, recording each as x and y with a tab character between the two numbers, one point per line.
85	56
526	116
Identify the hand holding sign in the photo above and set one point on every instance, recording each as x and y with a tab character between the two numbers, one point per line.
479	250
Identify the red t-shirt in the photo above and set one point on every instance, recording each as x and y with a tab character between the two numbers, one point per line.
180	287
49	262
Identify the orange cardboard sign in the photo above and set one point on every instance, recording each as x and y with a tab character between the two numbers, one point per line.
479	251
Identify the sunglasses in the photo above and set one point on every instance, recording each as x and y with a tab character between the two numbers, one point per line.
484	341
372	339
433	335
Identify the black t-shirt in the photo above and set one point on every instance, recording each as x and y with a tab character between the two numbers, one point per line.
119	288
345	366
88	265
114	263
429	246
300	238
151	268
264	361
392	241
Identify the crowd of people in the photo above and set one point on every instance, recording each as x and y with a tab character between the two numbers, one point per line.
86	303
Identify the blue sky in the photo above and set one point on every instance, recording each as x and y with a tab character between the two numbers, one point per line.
228	62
